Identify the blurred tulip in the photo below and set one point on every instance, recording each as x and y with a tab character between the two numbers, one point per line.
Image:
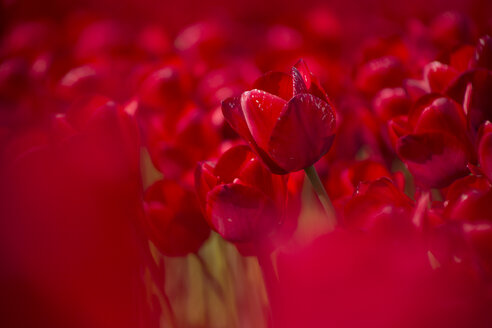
351	279
173	218
70	197
436	148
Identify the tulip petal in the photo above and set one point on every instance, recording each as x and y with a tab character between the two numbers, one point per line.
310	81
434	158
231	163
205	181
304	132
231	109
261	111
442	114
439	75
298	83
233	113
240	213
303	71
473	89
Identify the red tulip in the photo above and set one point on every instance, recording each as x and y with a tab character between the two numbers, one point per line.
379	205
287	119
175	153
391	102
242	200
380	73
451	29
173	218
344	177
436	146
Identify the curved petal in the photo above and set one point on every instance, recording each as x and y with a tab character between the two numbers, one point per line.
439	75
240	213
298	82
397	128
261	111
442	114
303	71
304	132
473	89
205	181
310	81
231	163
233	113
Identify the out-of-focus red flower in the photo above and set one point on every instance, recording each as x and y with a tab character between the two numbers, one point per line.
379	205
438	76
28	39
173	218
164	92
470	202
380	73
351	279
226	82
391	102
243	201
287	119
343	177
203	39
434	141
175	153
451	29
70	197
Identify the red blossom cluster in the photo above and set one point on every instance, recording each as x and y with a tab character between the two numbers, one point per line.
126	141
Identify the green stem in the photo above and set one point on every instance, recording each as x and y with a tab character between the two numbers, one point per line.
211	278
271	285
322	195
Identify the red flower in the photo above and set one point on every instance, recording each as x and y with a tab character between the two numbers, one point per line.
287	119
433	142
346	279
173	218
468	199
242	200
380	73
378	204
69	197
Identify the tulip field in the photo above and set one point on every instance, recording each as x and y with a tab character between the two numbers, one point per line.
246	164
